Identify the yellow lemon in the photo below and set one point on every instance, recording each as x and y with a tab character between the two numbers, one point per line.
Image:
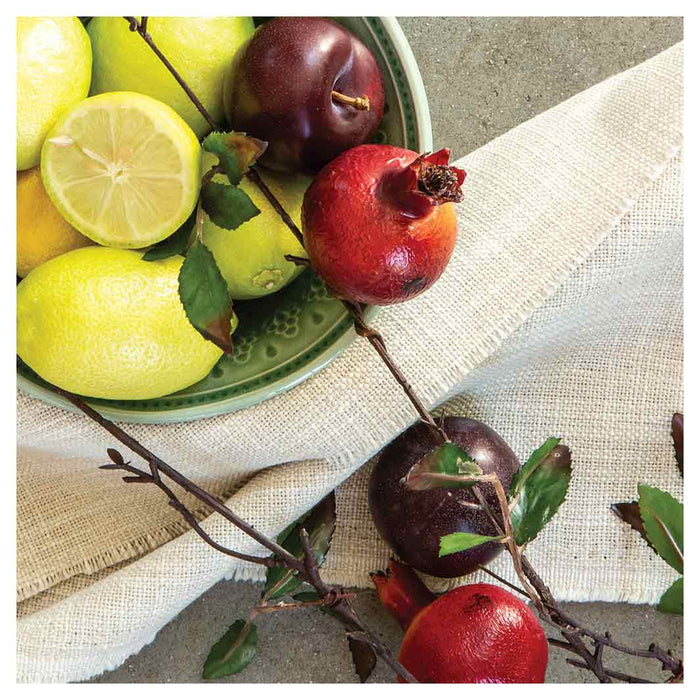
42	233
102	322
251	258
200	48
122	168
54	61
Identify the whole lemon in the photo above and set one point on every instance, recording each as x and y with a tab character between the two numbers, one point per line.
251	258
102	322
200	49
42	233
54	61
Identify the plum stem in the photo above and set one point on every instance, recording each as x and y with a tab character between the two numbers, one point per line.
359	103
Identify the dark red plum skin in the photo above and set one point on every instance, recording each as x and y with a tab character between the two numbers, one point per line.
279	90
412	522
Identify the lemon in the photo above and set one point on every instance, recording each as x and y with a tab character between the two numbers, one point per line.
102	322
42	233
53	72
200	48
251	258
122	168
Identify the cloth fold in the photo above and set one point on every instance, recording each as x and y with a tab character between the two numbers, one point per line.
519	331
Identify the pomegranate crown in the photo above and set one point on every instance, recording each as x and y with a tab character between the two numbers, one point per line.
430	181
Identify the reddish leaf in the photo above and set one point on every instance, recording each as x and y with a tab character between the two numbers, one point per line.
236	151
677	433
629	513
435	469
115	455
320	526
363	658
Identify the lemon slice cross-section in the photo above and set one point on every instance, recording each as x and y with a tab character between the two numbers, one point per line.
122	168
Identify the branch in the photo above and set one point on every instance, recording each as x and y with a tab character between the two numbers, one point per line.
206	498
326	602
357	313
143	477
608	672
140	29
307	569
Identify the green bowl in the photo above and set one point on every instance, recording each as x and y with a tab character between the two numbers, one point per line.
284	338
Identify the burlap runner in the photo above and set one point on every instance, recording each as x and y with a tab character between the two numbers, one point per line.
599	363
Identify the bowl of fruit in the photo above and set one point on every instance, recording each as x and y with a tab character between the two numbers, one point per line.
129	175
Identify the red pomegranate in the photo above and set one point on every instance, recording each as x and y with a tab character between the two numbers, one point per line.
379	222
473	634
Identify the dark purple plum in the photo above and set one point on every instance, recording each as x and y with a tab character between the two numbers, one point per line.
295	85
412	522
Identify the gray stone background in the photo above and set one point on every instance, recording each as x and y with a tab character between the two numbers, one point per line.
483	76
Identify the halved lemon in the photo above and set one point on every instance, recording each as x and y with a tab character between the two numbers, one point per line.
122	168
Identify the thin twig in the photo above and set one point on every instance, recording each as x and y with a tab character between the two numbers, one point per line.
173	501
609	672
310	561
207	498
512	545
328	601
140	29
357	313
254	176
297	260
504	581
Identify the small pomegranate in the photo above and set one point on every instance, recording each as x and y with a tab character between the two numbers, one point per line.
379	224
473	634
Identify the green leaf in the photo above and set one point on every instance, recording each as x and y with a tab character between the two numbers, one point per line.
227	206
320	525
233	652
662	515
204	294
459	541
672	600
236	152
534	461
540	494
174	244
449	459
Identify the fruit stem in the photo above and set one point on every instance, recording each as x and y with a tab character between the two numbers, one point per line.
401	592
359	103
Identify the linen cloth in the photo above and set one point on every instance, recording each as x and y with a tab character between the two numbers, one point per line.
560	313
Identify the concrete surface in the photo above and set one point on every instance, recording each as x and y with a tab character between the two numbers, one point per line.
483	76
